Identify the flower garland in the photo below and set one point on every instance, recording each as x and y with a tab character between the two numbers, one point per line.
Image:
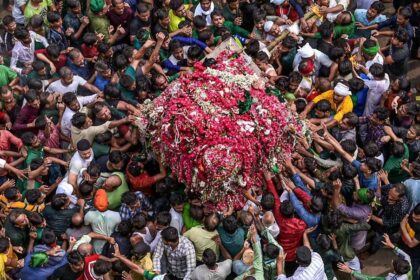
212	146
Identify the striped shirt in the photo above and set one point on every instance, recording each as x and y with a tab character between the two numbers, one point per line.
315	271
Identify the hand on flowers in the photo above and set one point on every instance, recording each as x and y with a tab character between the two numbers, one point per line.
344	268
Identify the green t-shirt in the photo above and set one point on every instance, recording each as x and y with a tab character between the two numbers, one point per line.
6	75
100	150
114	198
33	154
99	24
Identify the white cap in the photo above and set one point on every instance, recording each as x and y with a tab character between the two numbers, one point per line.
267	25
342	90
277	2
306	51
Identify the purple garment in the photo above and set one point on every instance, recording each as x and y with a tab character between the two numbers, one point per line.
374	132
27	115
358	212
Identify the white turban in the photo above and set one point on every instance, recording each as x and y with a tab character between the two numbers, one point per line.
342	90
267	25
306	51
277	2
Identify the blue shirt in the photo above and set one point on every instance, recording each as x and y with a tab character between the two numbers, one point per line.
101	82
392	23
371	183
309	218
82	71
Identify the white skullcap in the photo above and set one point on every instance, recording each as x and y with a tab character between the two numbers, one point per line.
342	90
267	25
277	2
306	51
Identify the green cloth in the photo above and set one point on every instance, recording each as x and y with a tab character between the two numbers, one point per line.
233	28
97	5
100	149
18	236
50	113
393	167
114	198
341	30
186	217
287	61
99	24
128	95
270	265
329	257
38	259
257	264
362	194
33	154
130	71
371	51
164	54
6	75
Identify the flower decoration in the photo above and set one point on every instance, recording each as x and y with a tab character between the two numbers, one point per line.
217	129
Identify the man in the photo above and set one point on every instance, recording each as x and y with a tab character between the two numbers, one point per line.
102	220
211	269
73	104
308	53
99	22
78	65
396	58
115	185
179	252
410	233
25	120
10	104
81	159
17	228
340	101
133	203
311	266
82	127
142	19
72	270
120	15
69	82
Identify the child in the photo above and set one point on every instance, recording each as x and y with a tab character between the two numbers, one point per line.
262	61
56	34
365	18
322	112
34	201
11	199
345	70
7	257
89	47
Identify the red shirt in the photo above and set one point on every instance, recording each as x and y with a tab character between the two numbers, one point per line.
89	52
291	229
143	182
58	64
88	273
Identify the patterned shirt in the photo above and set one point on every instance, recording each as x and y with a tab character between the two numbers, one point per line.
126	213
393	213
181	260
58	38
315	271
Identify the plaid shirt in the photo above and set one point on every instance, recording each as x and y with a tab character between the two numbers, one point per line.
126	213
181	260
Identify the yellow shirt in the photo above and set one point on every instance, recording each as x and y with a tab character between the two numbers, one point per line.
174	20
345	106
3	260
146	263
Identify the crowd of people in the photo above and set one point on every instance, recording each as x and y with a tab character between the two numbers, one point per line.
82	197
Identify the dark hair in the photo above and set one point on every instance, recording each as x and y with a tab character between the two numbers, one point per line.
32	196
102	267
48	237
349	146
381	113
316	204
27	138
120	62
129	198
89	39
31	96
124	228
103	47
262	56
163	218
196	212
161	14
306	252
4	245
324	242
12	193
345	67
205	35
116	157
252	48
8	20
69	97
334	219
85	189
36	163
400	188
295	77
300	104
371	149
416	209
175	4
53	51
138	221
58	201
402	35
373	164
397	149
259	15
73	3
352	119
217	12
21	33
326	29
38	65
209	258
53	17
73	257
103	138
349	171
336	53
170	234
83	145
289	42
79	119
176	199
406	12
282	83
271	251
377	70
378	6
401	266
323	106
230	224
111	91
126	81
142	8
267	201
199	21
194	52
356	85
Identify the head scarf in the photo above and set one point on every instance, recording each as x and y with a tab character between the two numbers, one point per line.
371	51
362	195
97	5
267	25
306	51
101	200
342	90
310	65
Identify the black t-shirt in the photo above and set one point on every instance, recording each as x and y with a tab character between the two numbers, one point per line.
136	24
400	57
65	273
324	47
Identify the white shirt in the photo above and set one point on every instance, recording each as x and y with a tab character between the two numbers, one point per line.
58	86
377	59
376	89
68	113
176	220
321	59
77	163
315	271
17	12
